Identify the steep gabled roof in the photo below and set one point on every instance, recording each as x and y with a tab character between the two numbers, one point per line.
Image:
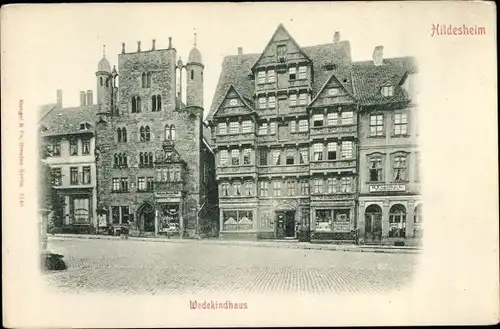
280	28
343	76
44	110
246	102
67	121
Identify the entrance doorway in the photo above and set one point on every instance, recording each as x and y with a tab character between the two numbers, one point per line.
147	217
373	223
285	224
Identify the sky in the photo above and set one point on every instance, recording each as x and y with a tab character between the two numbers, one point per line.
67	44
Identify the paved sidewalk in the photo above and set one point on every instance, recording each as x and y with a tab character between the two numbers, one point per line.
261	243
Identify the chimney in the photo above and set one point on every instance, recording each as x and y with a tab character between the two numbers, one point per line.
169	42
138	46
90	100
123	47
154	45
59	98
83	97
240	50
336	37
378	55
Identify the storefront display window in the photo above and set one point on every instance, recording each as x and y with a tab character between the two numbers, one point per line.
324	220
237	220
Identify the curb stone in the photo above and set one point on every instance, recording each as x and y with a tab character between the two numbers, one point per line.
265	244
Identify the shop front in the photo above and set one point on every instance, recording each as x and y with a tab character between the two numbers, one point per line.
76	213
333	223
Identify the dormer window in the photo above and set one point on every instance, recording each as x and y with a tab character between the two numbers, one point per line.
333	92
387	91
233	102
84	126
281	53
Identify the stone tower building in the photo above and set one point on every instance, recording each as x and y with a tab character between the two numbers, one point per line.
149	179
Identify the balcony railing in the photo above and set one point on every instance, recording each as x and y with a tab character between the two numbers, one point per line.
340	131
235	138
236	170
333	164
284	169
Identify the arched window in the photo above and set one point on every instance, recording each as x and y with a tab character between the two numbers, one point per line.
119	133
153	103
138	104
192	74
141	160
100	80
158	103
124	135
134	105
120	160
115	162
172	132
148	134
417	222
397	221
107	82
376	168
125	160
373	222
144	80
150	159
167	132
142	133
148	76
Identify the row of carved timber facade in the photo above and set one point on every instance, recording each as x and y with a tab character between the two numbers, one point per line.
302	134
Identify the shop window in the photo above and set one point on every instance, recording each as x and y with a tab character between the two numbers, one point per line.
323	220
397	221
237	220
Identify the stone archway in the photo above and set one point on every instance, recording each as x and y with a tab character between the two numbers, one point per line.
146	217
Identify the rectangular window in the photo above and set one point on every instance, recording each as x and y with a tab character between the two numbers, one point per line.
237	188
290	187
346	150
224	189
318	120
261	76
56	176
271	102
272	127
346	184
318	152
332	151
293	126
332	118
141	183
400	124
376	169
234	127
248	188
73	147
150	184
330	185
222	128
86	146
235	157
292	73
277	188
304	187
116	184
281	53
303	125
73	176
262	103
303	99
125	214
318	185
400	168
263	157
263	129
324	220
246	126
303	72
387	91
293	99
376	125
347	118
276	158
304	156
115	214
290	158
86	175
246	157
124	184
263	188
271	76
56	148
223	157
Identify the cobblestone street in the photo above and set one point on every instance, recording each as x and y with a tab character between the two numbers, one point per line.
138	267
